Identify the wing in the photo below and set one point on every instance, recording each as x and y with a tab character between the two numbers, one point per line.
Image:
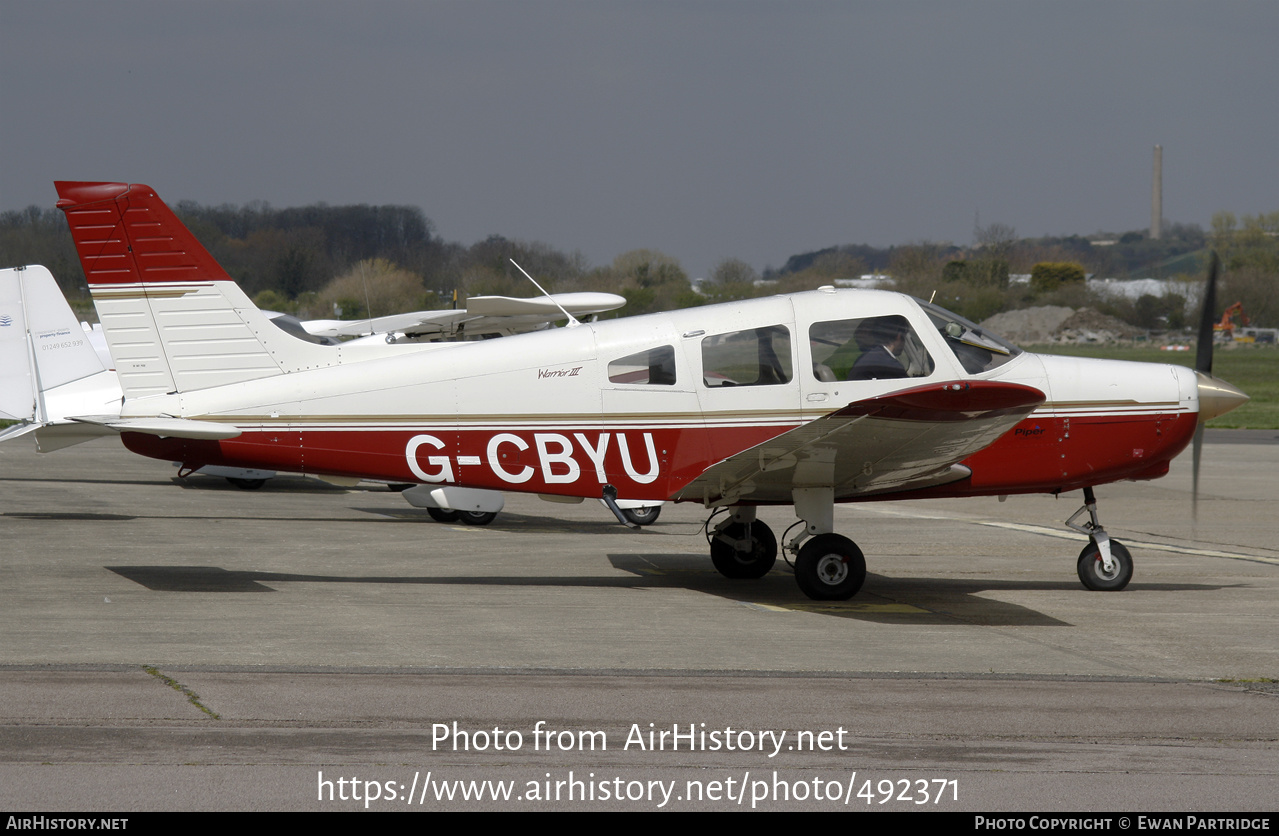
903	440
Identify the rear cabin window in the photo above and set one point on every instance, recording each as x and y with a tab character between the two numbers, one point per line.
651	367
872	348
757	357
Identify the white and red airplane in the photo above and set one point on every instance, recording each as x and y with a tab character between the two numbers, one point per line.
807	400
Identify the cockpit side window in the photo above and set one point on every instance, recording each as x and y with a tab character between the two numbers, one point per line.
871	348
651	367
756	357
976	350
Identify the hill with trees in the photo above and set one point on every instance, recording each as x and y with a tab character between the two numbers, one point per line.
361	260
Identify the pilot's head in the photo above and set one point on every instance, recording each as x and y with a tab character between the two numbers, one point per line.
888	331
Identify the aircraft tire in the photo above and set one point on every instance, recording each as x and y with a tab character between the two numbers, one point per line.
246	484
1095	577
745	565
642	516
830	567
477	517
440	515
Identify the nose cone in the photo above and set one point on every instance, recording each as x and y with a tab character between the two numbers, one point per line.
1217	397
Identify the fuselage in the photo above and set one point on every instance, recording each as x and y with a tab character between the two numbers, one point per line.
648	403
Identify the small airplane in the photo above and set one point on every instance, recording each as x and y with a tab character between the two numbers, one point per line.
807	399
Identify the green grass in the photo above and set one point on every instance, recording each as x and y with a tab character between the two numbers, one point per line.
1254	369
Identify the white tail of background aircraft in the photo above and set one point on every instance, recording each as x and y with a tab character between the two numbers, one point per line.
49	370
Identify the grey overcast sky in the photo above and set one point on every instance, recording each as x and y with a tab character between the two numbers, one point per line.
754	130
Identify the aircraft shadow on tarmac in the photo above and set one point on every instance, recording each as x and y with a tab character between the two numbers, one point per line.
881	600
291	484
526	524
68	516
885	600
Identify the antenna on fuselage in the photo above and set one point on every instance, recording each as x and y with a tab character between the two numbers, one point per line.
572	320
368	306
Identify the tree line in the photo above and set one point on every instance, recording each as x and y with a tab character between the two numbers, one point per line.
355	261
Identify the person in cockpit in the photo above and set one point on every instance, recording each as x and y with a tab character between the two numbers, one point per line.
881	341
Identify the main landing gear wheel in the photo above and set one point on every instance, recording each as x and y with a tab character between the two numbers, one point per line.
830	567
642	516
1093	572
440	515
477	517
246	484
751	563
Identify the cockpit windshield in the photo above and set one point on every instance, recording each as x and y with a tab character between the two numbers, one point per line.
976	350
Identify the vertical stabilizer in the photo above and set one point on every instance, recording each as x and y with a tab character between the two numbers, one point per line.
49	369
17	377
126	235
42	345
174	320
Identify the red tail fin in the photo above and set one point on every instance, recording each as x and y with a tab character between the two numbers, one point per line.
126	234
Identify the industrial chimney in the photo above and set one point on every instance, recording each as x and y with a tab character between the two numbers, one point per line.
1157	196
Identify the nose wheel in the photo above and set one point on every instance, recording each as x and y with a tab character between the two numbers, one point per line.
1096	576
1105	564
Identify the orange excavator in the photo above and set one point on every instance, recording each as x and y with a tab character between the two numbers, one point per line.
1226	327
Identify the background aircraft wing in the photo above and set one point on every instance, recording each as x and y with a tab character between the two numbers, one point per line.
482	315
578	304
416	322
903	440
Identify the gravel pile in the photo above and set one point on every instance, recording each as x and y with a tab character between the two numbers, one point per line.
1055	324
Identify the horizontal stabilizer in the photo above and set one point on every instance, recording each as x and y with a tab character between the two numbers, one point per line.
61	436
161	426
17	431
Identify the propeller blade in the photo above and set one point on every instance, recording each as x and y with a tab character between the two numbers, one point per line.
1194	481
1203	364
1203	352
